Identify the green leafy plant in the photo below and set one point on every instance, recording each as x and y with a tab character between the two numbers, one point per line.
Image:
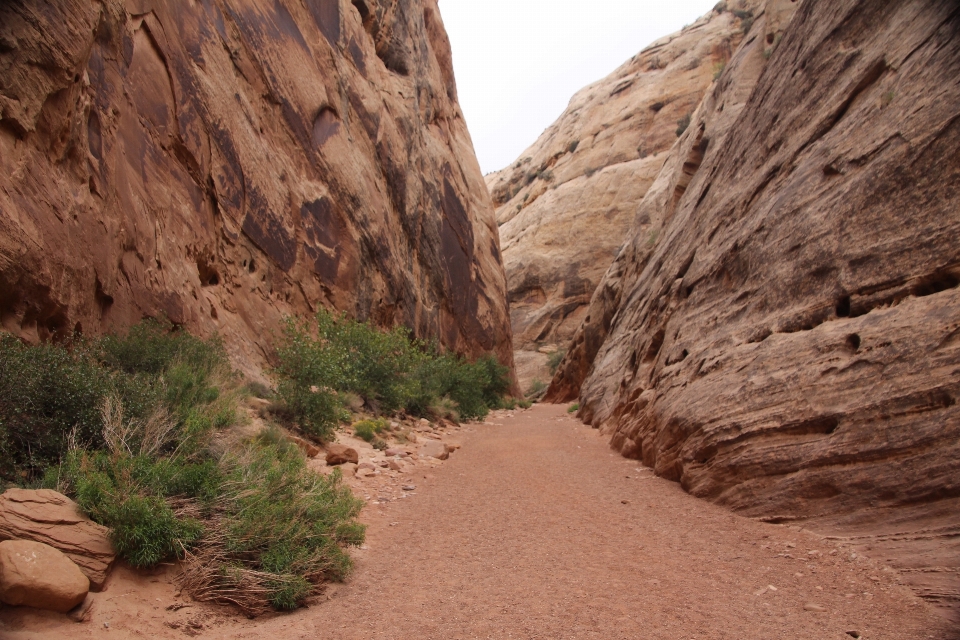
388	369
718	70
537	388
573	408
369	429
554	360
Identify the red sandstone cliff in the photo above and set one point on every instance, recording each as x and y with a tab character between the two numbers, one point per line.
227	162
780	332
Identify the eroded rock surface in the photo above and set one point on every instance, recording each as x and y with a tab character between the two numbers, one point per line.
782	337
565	206
33	574
227	162
53	519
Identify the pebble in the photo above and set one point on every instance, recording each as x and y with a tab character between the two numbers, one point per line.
409	487
816	608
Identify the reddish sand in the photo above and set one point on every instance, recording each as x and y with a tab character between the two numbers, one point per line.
535	529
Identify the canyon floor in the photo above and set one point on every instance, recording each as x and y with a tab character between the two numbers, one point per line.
535	529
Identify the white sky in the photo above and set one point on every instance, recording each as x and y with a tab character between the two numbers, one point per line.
518	62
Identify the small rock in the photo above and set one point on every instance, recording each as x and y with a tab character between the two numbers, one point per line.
309	449
365	465
338	454
816	608
33	574
451	447
409	487
624	502
854	634
393	465
434	449
80	612
393	452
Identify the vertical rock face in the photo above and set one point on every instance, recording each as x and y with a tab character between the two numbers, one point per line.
227	162
565	206
786	341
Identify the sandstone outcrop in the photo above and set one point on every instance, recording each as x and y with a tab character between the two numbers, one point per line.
36	575
53	519
782	336
229	162
565	207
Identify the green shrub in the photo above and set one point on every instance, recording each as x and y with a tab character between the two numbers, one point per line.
129	495
683	124
573	408
554	360
388	369
370	429
280	529
537	388
47	392
718	70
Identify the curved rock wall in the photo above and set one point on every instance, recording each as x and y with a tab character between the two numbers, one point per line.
784	339
229	162
565	206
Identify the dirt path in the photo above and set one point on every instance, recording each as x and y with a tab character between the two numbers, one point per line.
535	530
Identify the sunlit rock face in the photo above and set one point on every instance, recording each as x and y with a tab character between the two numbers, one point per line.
229	162
783	336
565	206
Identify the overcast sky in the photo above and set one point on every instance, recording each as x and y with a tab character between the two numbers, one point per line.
518	62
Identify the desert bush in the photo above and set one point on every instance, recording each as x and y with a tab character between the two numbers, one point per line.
278	530
718	70
370	428
572	147
683	124
573	408
537	388
388	369
554	360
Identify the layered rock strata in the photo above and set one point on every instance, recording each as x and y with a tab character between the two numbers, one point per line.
229	162
565	206
782	337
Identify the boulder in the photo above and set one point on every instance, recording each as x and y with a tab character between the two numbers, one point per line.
434	449
33	574
309	449
339	454
54	519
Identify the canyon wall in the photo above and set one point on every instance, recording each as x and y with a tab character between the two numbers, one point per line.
565	207
229	162
784	336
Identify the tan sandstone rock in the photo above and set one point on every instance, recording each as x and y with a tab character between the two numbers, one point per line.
338	454
434	449
53	519
229	163
779	335
566	205
36	575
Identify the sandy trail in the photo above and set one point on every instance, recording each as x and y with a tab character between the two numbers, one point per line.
536	530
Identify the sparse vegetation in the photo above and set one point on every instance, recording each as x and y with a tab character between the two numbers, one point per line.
573	408
720	7
388	369
554	360
683	124
537	389
746	20
124	426
718	70
369	429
